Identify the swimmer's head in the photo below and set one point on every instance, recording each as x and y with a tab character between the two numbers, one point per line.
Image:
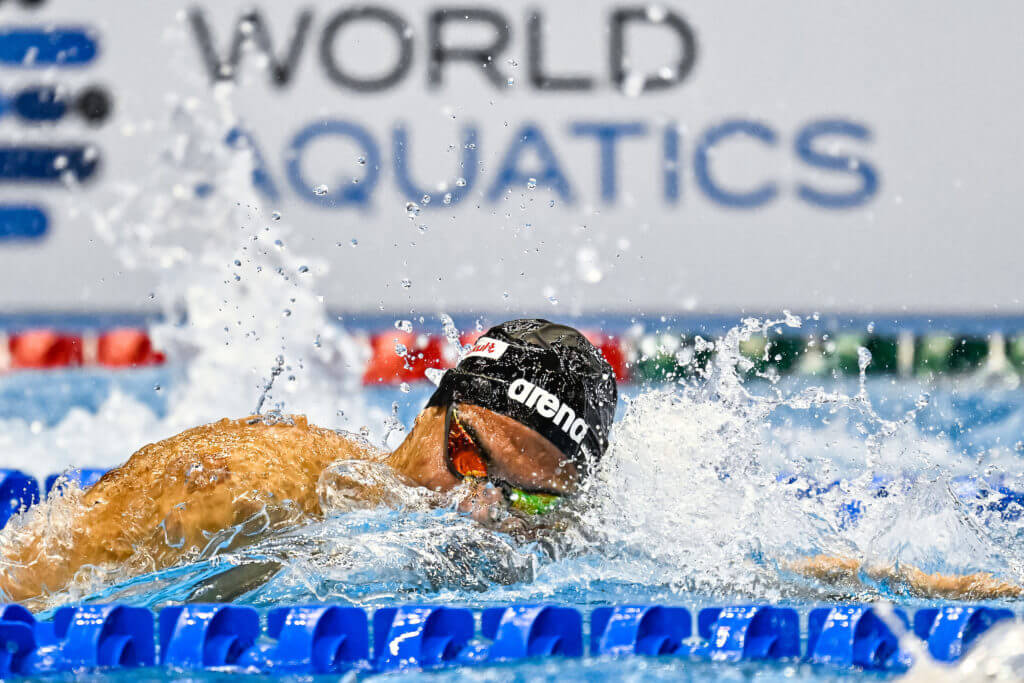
548	378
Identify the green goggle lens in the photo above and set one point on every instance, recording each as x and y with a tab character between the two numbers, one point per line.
533	503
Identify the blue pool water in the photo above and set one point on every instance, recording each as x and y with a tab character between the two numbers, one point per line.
688	509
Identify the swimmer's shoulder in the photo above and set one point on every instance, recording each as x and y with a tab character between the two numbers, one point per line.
211	452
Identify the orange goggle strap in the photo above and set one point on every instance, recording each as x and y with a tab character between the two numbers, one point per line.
462	454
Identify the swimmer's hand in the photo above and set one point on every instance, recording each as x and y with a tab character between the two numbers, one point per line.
910	580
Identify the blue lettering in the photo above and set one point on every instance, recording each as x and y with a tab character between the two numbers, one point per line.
400	143
550	174
716	134
347	192
239	138
607	135
836	162
671	163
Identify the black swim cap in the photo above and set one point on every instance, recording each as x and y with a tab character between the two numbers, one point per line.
548	377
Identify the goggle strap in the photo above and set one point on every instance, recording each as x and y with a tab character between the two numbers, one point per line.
447	441
507	487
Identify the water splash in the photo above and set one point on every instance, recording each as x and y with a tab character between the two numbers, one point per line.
710	487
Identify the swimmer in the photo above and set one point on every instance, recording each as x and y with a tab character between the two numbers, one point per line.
523	418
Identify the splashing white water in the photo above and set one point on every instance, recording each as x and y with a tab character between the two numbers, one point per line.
689	498
235	302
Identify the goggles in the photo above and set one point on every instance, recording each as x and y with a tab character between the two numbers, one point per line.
467	459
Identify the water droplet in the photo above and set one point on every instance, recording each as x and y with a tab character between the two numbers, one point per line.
588	268
361	161
504	295
157	387
316	341
400	349
425	199
412	209
447	198
422	227
656	14
460	182
287	312
303	269
276	215
354	242
406	283
403	325
633	85
531	183
404	387
279	244
237	262
511	81
320	190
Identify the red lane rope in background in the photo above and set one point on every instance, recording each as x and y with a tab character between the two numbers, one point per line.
395	356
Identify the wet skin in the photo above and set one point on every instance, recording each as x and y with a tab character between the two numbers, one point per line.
183	497
220	486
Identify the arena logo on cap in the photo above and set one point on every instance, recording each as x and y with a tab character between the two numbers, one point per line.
550	406
487	348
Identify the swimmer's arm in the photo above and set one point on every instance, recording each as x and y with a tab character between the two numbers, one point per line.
848	571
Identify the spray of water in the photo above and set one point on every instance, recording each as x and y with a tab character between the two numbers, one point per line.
710	487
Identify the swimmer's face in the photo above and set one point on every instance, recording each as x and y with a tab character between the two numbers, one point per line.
519	465
516	455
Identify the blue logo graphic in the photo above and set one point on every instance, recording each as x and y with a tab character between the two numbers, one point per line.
46	47
43	48
22	222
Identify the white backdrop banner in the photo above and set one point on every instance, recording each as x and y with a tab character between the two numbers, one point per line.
687	156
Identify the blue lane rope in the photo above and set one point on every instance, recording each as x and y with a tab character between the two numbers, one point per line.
335	638
326	639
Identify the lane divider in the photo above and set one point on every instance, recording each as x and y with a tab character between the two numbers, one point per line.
83	478
18	492
331	639
398	356
51	349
